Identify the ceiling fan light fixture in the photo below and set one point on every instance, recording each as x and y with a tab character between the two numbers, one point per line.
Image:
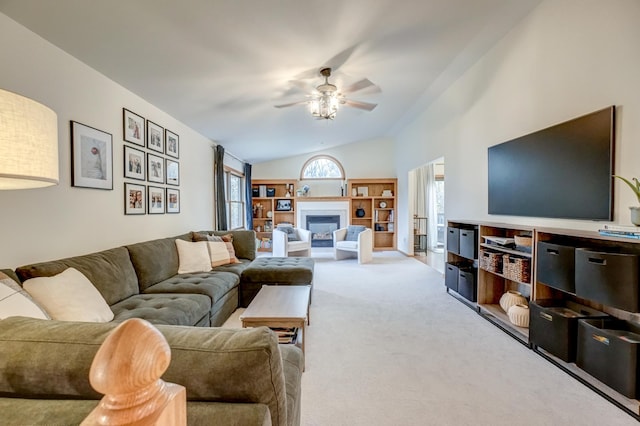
325	104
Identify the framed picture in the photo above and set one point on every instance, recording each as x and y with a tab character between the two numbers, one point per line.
91	157
172	143
134	198
155	168
156	199
363	191
283	205
132	127
155	137
173	172
173	200
134	164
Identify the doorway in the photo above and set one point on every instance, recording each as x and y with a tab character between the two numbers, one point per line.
426	201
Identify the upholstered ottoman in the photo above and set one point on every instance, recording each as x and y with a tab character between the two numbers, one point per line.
274	271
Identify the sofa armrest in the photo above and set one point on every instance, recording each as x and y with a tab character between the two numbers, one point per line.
339	235
214	364
304	235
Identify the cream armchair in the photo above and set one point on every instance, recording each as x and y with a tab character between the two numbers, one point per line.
348	244
289	241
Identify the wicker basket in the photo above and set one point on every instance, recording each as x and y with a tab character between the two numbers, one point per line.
516	268
523	240
490	261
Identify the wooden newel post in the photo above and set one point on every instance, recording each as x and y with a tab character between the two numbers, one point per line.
127	370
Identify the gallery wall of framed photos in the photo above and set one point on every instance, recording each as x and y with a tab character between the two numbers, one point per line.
151	168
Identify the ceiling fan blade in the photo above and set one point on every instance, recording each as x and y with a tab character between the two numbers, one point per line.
290	104
338	60
360	105
359	85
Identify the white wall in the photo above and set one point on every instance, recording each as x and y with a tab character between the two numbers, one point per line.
369	159
50	223
566	59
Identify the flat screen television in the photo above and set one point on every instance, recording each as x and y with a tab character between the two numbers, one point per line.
564	171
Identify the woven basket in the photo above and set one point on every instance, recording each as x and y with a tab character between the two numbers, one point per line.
490	261
523	240
516	268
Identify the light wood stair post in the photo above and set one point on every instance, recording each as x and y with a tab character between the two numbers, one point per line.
127	370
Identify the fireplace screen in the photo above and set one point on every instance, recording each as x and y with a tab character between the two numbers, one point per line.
322	227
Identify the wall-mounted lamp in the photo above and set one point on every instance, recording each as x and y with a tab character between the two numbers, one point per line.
28	143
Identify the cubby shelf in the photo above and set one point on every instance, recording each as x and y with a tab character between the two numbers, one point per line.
492	284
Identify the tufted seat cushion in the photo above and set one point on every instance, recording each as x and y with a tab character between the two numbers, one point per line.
347	245
168	309
274	271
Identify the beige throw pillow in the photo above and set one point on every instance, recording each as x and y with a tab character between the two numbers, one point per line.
218	253
193	257
16	302
69	296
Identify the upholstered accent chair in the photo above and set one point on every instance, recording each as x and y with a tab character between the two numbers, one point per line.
290	241
353	241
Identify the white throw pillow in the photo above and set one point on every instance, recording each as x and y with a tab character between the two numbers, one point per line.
15	302
69	296
218	253
193	257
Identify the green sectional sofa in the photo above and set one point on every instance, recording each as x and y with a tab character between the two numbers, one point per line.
232	377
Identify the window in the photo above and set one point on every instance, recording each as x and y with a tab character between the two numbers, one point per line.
235	199
322	167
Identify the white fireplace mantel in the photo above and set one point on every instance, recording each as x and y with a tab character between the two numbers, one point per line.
321	207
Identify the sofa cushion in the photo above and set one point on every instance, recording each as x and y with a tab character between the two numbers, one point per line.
213	364
347	245
193	257
69	296
171	309
154	261
213	284
15	301
110	271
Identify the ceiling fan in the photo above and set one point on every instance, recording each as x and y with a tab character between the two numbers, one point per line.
325	99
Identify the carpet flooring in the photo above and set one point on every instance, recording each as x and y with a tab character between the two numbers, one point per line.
388	346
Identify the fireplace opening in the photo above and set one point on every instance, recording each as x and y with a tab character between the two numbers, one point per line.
322	227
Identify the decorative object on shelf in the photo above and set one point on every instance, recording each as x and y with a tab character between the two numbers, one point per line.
490	261
635	187
516	268
387	193
271	192
360	211
91	157
519	315
363	191
257	211
383	204
303	192
510	298
255	192
269	214
354	192
283	205
287	194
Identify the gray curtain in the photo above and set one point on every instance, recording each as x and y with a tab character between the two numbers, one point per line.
248	211
221	202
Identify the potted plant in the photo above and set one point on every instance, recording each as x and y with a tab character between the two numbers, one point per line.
634	184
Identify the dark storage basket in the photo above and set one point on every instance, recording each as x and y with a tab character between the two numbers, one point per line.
451	273
608	278
468	243
467	286
608	350
516	268
555	266
553	326
453	240
490	261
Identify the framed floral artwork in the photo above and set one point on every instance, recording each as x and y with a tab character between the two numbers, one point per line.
135	198
155	168
172	144
155	137
132	127
134	163
91	157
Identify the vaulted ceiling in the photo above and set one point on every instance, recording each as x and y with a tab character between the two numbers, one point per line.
220	66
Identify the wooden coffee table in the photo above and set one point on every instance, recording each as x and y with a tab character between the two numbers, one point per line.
279	306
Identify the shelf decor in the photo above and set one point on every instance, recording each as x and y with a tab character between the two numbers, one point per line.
519	315
510	298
